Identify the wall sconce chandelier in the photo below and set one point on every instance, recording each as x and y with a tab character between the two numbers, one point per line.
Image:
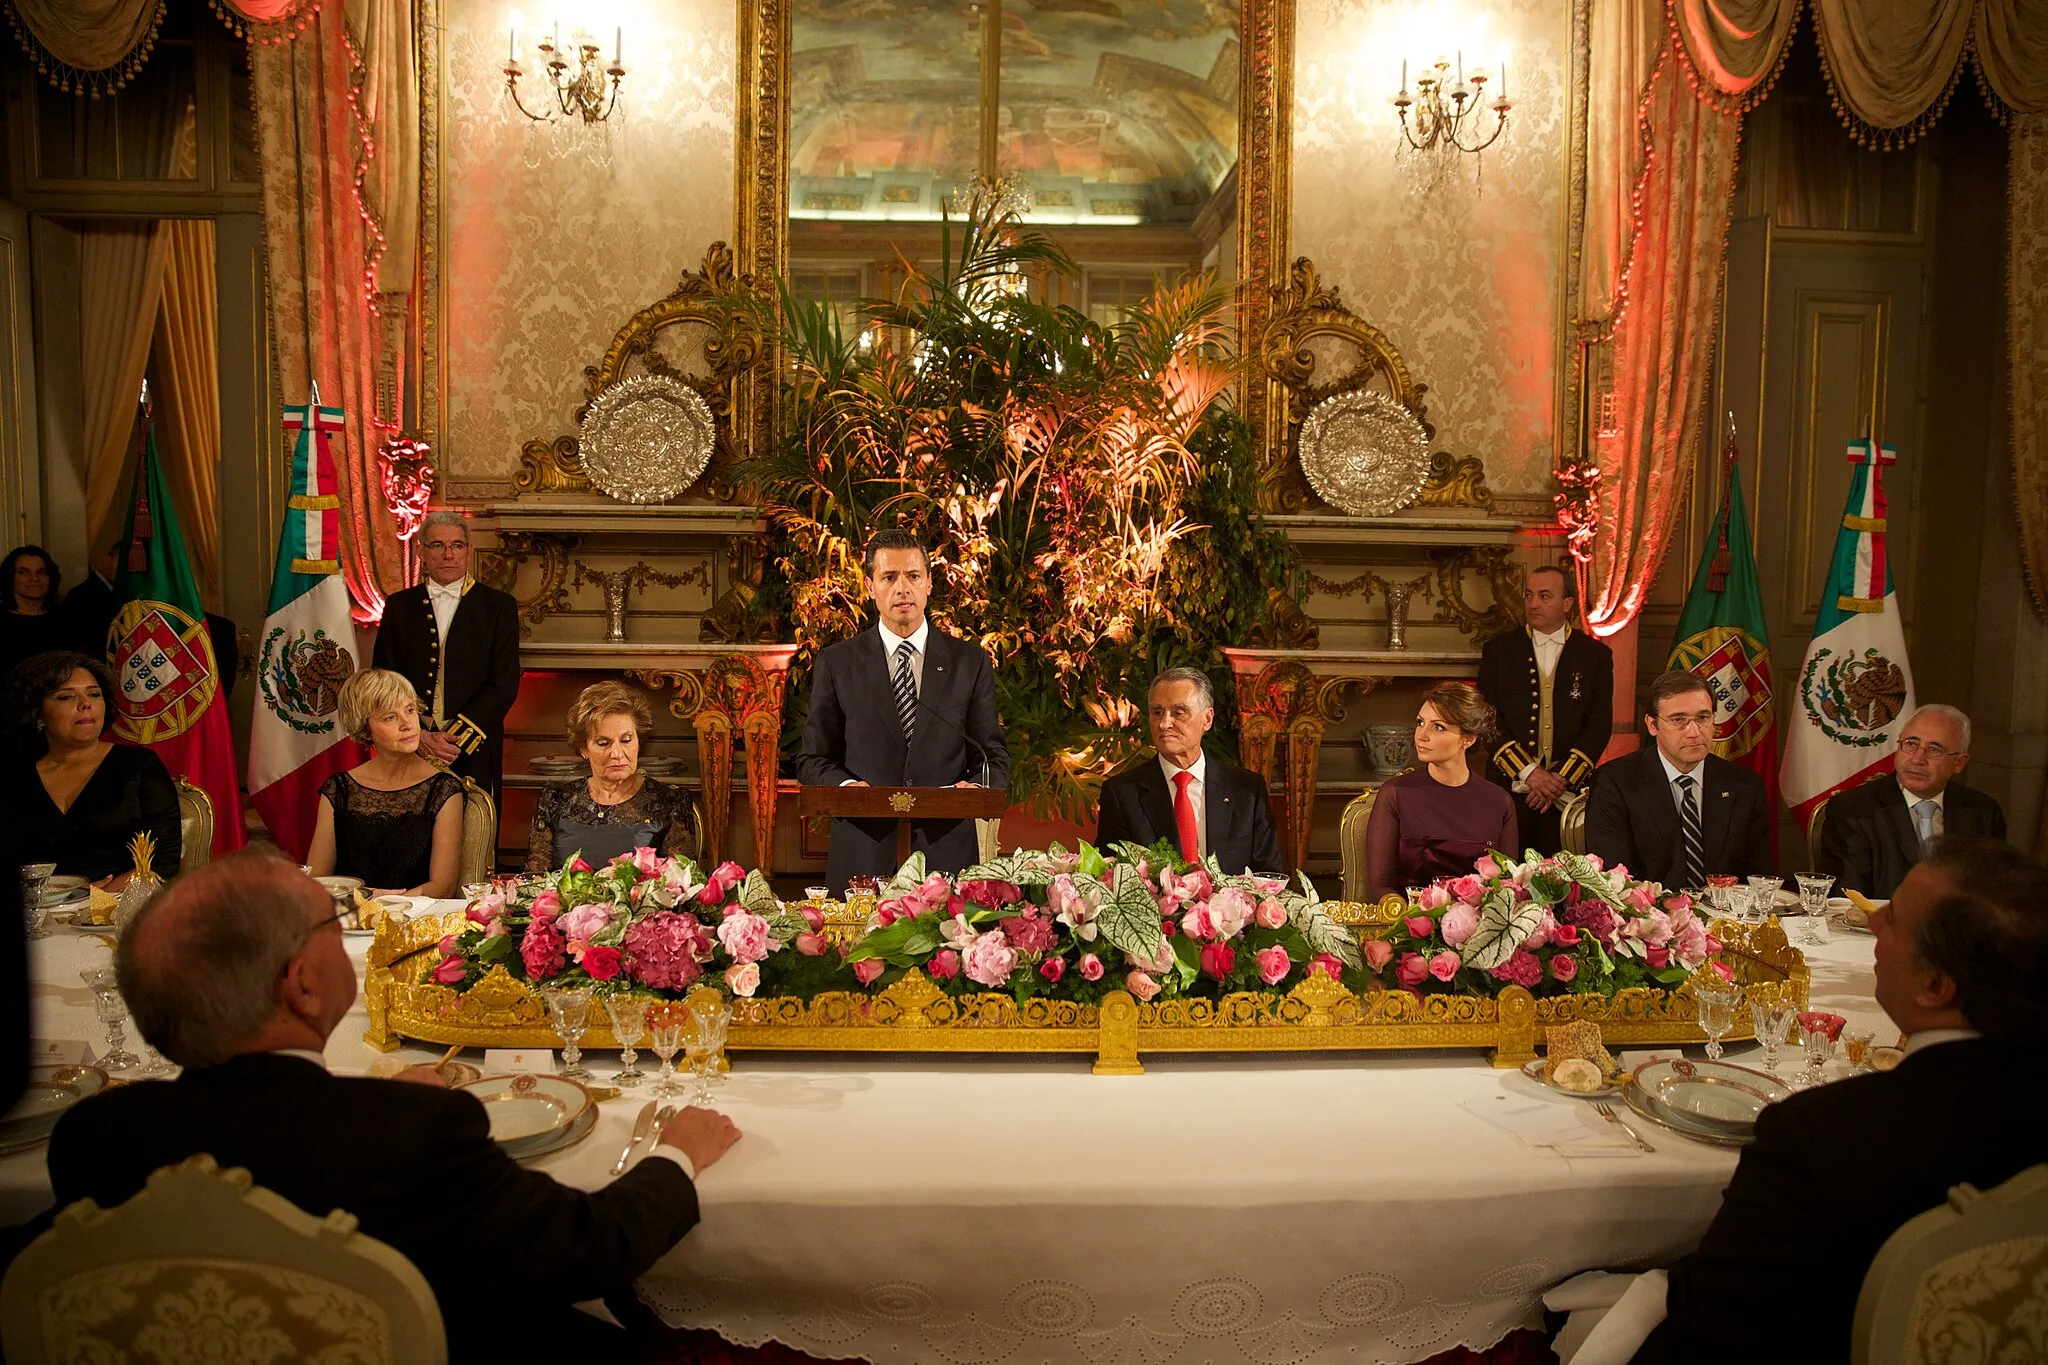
1449	118
582	97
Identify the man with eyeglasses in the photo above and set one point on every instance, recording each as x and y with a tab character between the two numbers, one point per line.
457	642
1674	812
1872	835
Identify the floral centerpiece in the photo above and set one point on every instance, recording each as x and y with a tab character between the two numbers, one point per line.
1554	926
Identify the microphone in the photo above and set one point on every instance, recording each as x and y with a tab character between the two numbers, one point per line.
959	730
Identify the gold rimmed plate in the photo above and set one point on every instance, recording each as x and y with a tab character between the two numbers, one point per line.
555	1142
1533	1069
51	1092
1713	1101
528	1109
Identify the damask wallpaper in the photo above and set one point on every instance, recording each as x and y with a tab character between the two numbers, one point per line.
1465	281
547	256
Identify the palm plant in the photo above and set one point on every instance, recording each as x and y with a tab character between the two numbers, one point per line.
1052	463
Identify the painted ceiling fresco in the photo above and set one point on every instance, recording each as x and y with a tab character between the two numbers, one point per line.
1111	111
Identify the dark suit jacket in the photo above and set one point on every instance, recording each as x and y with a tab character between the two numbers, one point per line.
417	1168
1138	806
482	653
1631	818
852	732
1581	721
1867	840
1834	1172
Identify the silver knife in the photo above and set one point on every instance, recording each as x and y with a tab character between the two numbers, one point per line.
642	1127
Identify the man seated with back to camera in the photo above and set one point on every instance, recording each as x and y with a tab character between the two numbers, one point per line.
236	971
1961	954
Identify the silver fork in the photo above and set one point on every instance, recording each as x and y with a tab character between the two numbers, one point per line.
1606	1111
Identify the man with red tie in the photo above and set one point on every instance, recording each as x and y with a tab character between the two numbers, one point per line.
1203	805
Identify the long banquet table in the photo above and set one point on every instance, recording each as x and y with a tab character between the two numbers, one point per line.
946	1209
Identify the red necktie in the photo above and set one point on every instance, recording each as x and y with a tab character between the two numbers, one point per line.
1184	817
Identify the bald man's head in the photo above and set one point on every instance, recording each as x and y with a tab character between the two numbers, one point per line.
207	967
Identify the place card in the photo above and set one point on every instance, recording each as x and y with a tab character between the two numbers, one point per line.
60	1052
505	1061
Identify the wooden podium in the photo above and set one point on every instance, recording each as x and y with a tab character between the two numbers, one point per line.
904	805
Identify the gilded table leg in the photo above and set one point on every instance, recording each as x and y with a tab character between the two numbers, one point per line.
1304	746
714	749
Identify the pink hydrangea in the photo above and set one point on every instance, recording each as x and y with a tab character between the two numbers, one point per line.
1523	969
1273	964
544	951
745	936
1028	932
1593	917
989	959
991	895
1458	923
662	949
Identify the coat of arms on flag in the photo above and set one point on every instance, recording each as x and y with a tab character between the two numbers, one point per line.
1736	668
165	671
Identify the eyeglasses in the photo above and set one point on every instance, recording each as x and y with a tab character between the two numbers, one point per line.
1933	752
1684	723
441	547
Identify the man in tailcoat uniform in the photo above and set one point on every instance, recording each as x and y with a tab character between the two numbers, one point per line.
457	642
1553	690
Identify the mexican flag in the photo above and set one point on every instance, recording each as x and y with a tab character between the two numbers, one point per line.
167	692
1723	638
1855	689
308	649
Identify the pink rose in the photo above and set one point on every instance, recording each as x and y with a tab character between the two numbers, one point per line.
813	916
577	864
1459	922
810	944
710	895
1141	985
1468	888
1433	897
989	959
450	945
1444	965
1642	898
451	971
1168	928
743	978
1657	956
546	905
1332	967
1563	967
1091	967
543	950
1273	964
1053	968
1413	969
1421	926
1230	910
602	963
1218	959
1485	865
646	862
1565	936
1196	924
1378	953
889	911
745	936
728	874
1722	970
1271	914
944	965
485	908
866	970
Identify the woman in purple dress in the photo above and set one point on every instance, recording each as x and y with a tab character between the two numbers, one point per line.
1436	820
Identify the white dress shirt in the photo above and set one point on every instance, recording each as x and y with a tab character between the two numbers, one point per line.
1699	787
444	598
1549	648
890	640
1196	799
1929	1037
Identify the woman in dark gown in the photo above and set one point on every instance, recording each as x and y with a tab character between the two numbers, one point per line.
74	798
30	624
395	821
617	808
1436	820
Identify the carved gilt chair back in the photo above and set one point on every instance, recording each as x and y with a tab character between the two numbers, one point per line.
202	1264
1571	819
1351	843
1974	1270
195	825
479	835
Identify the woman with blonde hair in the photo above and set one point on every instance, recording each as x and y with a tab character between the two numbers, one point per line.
618	808
1436	820
396	820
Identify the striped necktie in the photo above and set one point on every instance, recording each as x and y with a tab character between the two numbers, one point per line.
906	691
1693	840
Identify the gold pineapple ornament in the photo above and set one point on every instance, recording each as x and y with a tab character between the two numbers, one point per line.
143	882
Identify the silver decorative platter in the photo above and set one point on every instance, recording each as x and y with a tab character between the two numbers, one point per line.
646	439
1364	454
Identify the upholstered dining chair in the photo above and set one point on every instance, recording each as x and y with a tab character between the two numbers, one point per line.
1973	1270
1351	844
1814	825
479	835
1571	821
204	1265
195	825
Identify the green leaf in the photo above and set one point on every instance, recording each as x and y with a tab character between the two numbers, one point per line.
1092	864
1324	935
1129	919
905	943
1187	960
1504	925
758	896
491	949
908	877
1021	869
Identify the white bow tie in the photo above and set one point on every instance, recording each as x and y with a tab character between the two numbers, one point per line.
445	590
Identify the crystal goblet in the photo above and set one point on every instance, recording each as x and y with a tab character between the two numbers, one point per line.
629	1026
1763	892
110	1009
1819	1048
705	1042
569	1012
1856	1047
1772	1018
1813	899
35	881
667	1022
1716	1002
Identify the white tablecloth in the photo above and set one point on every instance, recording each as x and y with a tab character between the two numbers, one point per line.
1338	1208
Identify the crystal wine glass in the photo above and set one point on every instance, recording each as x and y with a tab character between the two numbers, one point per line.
706	1042
1813	899
1856	1047
35	881
629	1026
667	1021
569	1011
1819	1048
1716	1004
1763	893
1772	1017
110	1009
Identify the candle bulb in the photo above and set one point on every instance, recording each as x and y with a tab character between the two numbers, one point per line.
512	45
618	46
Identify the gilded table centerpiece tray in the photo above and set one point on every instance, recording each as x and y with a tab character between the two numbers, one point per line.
1115	954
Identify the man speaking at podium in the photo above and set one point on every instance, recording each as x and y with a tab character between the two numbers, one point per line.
902	705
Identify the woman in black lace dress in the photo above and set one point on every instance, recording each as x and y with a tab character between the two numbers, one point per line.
617	808
395	821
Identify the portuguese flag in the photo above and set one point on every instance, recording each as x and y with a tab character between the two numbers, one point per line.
167	692
308	648
1723	638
